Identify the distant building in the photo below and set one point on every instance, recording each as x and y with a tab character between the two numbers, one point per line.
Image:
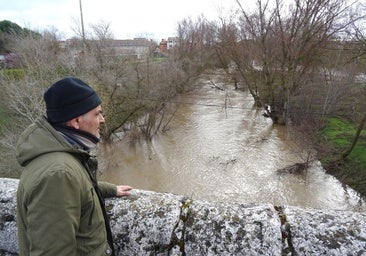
137	48
9	60
2	61
163	46
172	42
166	45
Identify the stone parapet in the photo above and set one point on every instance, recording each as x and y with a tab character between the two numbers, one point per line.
150	223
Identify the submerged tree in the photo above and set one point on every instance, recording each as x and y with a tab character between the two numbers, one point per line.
282	48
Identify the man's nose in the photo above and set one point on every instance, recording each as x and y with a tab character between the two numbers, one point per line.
101	119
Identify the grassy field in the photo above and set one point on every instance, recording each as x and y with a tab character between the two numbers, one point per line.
4	114
8	168
339	134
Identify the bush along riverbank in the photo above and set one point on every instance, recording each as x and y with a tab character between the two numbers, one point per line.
339	135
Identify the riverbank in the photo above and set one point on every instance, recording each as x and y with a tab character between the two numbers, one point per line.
224	156
338	135
203	137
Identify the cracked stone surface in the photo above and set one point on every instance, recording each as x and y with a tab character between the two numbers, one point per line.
144	222
326	232
232	229
8	227
149	223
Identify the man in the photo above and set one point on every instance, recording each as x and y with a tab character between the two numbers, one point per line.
60	207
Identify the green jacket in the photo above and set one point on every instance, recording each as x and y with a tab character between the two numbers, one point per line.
58	208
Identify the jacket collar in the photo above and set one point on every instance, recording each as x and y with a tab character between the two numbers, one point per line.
77	138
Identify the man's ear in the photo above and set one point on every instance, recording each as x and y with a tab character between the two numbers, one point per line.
74	123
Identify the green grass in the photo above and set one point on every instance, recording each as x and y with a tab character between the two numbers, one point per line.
340	133
4	116
14	73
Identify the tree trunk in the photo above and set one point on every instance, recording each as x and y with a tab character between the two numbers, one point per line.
277	114
355	139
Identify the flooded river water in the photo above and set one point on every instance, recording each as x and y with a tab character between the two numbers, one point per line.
225	154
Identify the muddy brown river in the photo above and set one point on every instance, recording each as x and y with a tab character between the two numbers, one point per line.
231	154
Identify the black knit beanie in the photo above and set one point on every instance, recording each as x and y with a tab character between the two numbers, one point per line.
69	98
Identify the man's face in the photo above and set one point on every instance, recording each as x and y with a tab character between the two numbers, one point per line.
91	121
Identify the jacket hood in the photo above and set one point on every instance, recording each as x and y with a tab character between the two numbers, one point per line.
41	138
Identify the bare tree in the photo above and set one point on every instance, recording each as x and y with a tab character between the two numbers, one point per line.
135	92
42	62
285	48
194	49
102	31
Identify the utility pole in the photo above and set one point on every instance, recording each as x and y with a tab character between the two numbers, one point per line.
82	24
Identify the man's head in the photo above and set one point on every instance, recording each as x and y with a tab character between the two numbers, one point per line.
75	103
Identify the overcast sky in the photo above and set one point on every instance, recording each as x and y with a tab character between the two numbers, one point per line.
155	19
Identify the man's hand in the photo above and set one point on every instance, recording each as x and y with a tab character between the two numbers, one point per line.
123	190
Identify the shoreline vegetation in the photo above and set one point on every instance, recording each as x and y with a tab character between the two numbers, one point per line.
338	134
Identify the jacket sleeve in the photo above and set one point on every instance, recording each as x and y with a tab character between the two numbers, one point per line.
107	189
53	215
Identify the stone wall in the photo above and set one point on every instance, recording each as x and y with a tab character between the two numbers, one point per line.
149	223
